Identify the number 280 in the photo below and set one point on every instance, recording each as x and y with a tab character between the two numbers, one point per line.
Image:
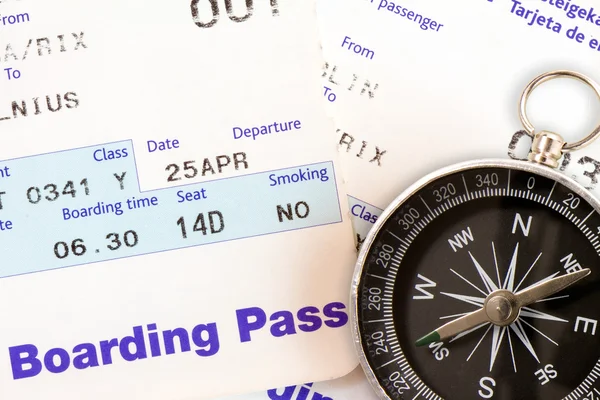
384	255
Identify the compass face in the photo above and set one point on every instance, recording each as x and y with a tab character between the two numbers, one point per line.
470	242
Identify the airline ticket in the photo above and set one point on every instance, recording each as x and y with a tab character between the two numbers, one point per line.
415	86
172	214
353	386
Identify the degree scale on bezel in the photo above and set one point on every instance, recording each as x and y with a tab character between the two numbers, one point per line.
480	282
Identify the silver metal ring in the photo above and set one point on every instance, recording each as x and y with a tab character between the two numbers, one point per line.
549	76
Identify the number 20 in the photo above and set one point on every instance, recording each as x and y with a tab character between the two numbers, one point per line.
571	201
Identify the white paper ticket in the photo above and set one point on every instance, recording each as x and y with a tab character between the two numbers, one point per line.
415	86
353	386
171	213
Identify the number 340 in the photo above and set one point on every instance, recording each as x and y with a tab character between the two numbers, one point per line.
215	11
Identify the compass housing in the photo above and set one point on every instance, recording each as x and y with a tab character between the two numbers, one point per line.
468	186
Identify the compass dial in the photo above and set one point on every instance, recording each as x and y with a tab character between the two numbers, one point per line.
482	282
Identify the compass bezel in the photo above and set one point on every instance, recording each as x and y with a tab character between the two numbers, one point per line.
407	194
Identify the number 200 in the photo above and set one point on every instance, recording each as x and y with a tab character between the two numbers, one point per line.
216	12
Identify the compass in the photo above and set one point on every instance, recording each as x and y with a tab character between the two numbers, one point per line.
481	281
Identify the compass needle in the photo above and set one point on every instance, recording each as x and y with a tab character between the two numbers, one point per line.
469	331
549	287
453	328
502	307
431	337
